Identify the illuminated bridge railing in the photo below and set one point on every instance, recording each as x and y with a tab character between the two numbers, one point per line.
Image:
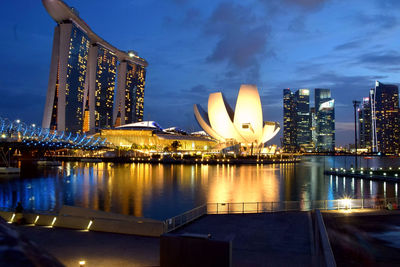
337	204
34	136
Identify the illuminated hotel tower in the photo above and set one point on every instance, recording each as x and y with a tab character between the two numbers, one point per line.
84	71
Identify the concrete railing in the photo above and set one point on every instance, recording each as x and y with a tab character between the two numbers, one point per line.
323	250
86	219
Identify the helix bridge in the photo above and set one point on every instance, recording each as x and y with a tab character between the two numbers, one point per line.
18	134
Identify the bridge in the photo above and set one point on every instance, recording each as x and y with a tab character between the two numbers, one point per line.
17	135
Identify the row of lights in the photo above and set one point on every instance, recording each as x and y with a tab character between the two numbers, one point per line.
81	262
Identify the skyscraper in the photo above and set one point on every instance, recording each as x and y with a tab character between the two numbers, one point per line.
289	121
365	124
385	118
296	120
83	72
325	120
303	119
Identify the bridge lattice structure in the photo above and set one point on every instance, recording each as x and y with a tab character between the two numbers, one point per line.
32	136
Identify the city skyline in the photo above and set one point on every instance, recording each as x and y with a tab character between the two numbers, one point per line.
187	67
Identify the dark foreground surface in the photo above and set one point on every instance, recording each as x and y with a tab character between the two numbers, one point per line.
365	239
97	249
268	239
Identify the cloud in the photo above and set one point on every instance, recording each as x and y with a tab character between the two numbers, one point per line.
241	38
307	4
379	21
349	45
380	60
344	126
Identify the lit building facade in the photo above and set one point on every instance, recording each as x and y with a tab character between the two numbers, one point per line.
83	77
130	93
365	124
289	121
242	126
308	129
385	118
303	119
325	120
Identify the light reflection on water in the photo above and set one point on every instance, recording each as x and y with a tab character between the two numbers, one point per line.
162	191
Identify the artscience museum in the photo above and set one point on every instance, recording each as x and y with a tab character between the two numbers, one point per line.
243	126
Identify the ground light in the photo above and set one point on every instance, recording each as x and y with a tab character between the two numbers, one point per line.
345	202
90	224
82	263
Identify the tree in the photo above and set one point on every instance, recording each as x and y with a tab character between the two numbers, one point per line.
175	145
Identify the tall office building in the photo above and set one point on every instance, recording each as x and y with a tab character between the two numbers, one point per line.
385	118
289	121
83	76
325	120
297	121
303	119
365	124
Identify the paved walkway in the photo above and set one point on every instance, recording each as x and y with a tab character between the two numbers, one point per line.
97	249
268	239
369	238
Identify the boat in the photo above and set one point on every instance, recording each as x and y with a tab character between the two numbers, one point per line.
9	170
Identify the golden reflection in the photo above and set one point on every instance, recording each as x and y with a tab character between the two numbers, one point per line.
243	184
134	188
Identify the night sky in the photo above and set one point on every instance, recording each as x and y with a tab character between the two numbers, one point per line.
198	47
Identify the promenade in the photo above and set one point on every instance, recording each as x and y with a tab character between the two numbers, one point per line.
367	236
264	239
96	248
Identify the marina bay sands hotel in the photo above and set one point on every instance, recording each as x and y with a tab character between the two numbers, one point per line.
92	84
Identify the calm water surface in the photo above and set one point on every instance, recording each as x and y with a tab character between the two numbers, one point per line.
162	191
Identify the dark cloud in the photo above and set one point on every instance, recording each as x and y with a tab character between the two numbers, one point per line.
307	4
387	4
384	60
380	21
241	38
298	24
349	45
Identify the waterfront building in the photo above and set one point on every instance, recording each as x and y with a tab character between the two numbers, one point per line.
385	118
84	69
325	120
303	119
365	124
243	126
150	136
289	121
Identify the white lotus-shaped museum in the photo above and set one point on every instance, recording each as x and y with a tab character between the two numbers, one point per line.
245	125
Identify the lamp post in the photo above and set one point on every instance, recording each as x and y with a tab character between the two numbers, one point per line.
355	105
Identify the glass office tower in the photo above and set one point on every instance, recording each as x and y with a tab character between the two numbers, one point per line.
289	121
303	119
325	120
365	124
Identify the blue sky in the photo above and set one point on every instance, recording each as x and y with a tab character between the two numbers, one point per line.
198	47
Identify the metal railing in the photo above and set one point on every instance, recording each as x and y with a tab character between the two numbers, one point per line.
184	218
336	204
260	207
